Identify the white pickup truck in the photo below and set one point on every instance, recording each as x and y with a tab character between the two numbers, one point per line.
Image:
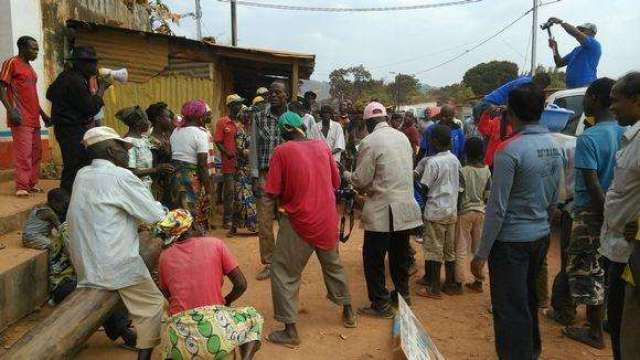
571	99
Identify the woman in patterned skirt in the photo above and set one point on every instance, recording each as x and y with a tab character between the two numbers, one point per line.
245	214
192	270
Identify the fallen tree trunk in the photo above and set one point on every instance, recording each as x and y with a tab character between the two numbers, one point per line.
62	333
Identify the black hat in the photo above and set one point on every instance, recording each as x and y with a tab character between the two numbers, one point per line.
87	53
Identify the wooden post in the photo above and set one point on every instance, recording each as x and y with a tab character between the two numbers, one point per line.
295	77
62	333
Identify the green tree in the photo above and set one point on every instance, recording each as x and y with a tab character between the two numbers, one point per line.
403	88
459	93
557	77
486	77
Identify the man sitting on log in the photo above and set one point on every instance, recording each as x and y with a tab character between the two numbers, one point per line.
107	204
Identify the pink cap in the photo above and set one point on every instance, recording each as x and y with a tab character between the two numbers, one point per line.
374	109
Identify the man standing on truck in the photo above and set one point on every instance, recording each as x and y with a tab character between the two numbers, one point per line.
582	61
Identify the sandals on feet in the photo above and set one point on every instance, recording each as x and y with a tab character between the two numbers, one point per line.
281	338
582	335
349	321
386	313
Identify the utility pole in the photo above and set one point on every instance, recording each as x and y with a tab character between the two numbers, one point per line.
234	24
534	37
198	20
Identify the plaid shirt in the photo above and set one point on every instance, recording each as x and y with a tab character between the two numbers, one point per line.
268	137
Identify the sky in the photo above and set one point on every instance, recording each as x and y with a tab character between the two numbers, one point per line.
413	41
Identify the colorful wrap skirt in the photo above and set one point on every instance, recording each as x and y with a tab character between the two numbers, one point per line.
187	192
210	332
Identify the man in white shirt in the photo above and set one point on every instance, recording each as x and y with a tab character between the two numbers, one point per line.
331	131
107	204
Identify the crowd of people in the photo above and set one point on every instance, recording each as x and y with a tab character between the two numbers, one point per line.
488	187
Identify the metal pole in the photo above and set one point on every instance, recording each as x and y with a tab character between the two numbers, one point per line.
234	24
534	37
198	20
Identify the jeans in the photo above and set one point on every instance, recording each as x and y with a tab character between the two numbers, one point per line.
74	154
376	246
513	269
27	153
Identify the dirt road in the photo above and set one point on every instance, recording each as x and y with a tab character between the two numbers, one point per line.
461	326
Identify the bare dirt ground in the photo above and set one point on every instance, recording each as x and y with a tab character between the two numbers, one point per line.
461	326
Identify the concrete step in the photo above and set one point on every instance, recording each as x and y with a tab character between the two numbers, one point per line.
13	210
23	279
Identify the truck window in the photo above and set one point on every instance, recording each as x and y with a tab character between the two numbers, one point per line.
574	103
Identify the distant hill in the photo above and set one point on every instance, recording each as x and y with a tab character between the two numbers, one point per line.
424	88
319	87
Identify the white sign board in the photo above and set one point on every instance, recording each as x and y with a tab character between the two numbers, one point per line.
414	340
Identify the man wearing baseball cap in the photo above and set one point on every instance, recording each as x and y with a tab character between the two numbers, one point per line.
107	204
225	139
383	172
582	61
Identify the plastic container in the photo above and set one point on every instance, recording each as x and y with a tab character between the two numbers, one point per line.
555	118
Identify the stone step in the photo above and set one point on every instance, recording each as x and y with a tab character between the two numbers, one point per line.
13	210
23	279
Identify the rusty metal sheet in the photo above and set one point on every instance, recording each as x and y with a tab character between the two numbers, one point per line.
144	57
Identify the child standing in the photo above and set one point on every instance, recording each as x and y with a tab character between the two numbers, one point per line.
140	154
441	178
477	182
38	234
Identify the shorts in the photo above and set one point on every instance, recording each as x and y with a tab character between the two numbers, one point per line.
585	269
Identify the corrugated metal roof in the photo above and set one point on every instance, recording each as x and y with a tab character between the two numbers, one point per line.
144	57
306	62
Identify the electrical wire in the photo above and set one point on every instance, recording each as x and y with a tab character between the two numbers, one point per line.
360	9
496	34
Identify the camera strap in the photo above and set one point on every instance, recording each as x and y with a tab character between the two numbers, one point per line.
347	211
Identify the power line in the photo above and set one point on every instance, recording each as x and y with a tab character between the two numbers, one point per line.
359	9
477	45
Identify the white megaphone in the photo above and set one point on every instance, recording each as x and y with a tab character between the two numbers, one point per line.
119	75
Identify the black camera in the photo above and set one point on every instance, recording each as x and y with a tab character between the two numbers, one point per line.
546	25
345	194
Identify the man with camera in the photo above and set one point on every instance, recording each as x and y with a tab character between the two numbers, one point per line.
303	178
582	61
383	173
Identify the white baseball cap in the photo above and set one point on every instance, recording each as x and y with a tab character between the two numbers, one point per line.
588	26
99	134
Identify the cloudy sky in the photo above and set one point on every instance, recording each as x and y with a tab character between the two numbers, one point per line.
416	40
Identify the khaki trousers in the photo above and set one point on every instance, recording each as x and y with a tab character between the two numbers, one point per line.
468	233
439	241
289	260
266	215
144	302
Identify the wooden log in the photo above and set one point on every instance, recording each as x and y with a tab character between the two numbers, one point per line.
62	333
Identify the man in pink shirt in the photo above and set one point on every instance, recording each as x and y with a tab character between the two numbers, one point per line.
304	177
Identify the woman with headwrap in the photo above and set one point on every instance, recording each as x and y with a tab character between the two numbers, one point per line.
192	270
245	211
140	155
161	119
191	184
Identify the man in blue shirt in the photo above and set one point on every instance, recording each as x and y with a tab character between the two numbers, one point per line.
457	135
515	237
498	97
595	160
582	61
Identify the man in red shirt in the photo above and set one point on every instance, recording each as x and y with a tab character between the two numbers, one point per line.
19	96
225	139
303	177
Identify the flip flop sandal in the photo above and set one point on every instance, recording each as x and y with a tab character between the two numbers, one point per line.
582	335
424	293
349	323
278	337
369	311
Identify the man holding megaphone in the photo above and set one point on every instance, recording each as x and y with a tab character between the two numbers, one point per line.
73	109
